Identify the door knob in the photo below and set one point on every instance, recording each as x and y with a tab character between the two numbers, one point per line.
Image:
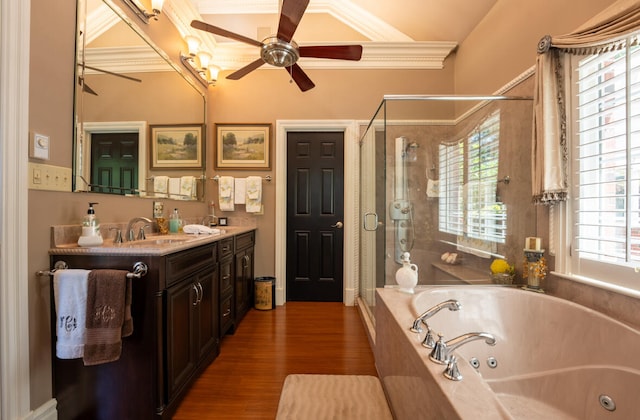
338	225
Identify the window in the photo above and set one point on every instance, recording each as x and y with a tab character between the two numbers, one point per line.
605	204
468	204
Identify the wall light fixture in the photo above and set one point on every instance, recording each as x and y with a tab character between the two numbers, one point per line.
198	62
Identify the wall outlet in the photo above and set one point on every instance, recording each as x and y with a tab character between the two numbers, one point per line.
49	177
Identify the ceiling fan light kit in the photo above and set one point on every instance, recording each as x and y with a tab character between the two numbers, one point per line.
280	50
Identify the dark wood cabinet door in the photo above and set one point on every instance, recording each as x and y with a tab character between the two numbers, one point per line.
181	357
207	313
243	282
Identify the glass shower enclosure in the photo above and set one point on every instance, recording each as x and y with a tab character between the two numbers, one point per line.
446	179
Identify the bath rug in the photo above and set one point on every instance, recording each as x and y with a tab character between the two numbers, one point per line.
332	397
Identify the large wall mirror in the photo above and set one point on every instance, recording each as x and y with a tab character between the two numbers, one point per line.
139	120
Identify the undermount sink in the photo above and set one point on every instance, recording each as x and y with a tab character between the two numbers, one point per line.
155	241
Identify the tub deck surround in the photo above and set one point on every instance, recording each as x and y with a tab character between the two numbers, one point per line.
64	241
414	385
555	359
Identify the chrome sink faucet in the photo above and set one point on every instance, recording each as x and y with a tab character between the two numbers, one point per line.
441	352
131	224
451	304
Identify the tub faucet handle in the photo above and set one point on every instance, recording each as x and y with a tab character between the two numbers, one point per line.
429	342
439	352
452	372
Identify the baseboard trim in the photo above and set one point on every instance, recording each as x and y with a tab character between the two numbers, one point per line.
46	411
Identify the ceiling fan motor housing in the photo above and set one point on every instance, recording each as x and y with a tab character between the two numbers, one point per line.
279	53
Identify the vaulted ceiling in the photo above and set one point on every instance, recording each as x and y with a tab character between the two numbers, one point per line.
394	34
398	34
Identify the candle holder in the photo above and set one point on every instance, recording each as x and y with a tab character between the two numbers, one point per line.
534	270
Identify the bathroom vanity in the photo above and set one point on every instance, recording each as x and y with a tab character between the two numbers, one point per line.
196	289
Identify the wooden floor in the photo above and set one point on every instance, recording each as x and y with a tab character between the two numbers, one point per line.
245	381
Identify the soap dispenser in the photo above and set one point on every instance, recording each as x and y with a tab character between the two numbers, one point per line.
90	229
175	222
407	275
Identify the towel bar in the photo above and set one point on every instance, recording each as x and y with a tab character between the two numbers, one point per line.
139	270
266	178
200	177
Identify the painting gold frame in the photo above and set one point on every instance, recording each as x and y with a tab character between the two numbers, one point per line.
242	146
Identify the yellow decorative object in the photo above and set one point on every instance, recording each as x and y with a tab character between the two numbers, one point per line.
499	266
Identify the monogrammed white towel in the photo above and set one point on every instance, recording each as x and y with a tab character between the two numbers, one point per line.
70	296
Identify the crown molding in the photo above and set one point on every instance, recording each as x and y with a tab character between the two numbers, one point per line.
375	55
126	60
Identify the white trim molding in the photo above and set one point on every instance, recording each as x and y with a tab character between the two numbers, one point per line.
14	278
375	55
350	270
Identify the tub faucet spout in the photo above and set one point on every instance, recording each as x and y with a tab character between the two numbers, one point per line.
451	304
441	353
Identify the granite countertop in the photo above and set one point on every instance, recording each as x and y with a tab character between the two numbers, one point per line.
154	245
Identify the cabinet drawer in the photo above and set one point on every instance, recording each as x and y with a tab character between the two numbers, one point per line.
225	247
186	262
226	276
226	315
245	240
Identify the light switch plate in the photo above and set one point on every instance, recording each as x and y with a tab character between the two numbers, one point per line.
49	177
40	145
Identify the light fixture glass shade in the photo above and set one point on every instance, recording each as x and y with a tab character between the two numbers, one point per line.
204	58
156	5
193	44
213	73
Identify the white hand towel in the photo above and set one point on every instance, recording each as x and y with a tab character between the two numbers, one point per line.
160	185
200	229
188	187
70	297
225	192
174	188
240	191
254	194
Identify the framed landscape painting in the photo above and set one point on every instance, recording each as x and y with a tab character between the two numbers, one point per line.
177	146
242	146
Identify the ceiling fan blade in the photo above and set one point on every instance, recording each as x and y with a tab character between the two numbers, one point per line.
223	32
133	79
300	77
85	87
290	15
245	70
338	52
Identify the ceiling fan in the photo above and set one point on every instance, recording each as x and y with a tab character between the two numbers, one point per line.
281	50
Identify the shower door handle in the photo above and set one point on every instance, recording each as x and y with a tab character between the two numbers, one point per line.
338	225
375	221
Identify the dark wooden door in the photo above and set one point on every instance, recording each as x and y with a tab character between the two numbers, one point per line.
114	162
315	191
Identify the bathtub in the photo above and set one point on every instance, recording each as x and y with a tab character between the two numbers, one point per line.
552	358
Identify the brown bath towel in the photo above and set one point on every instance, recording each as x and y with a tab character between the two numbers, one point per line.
106	295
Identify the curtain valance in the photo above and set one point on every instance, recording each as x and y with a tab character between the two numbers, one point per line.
605	32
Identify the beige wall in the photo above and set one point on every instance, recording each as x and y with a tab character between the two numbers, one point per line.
504	44
501	48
